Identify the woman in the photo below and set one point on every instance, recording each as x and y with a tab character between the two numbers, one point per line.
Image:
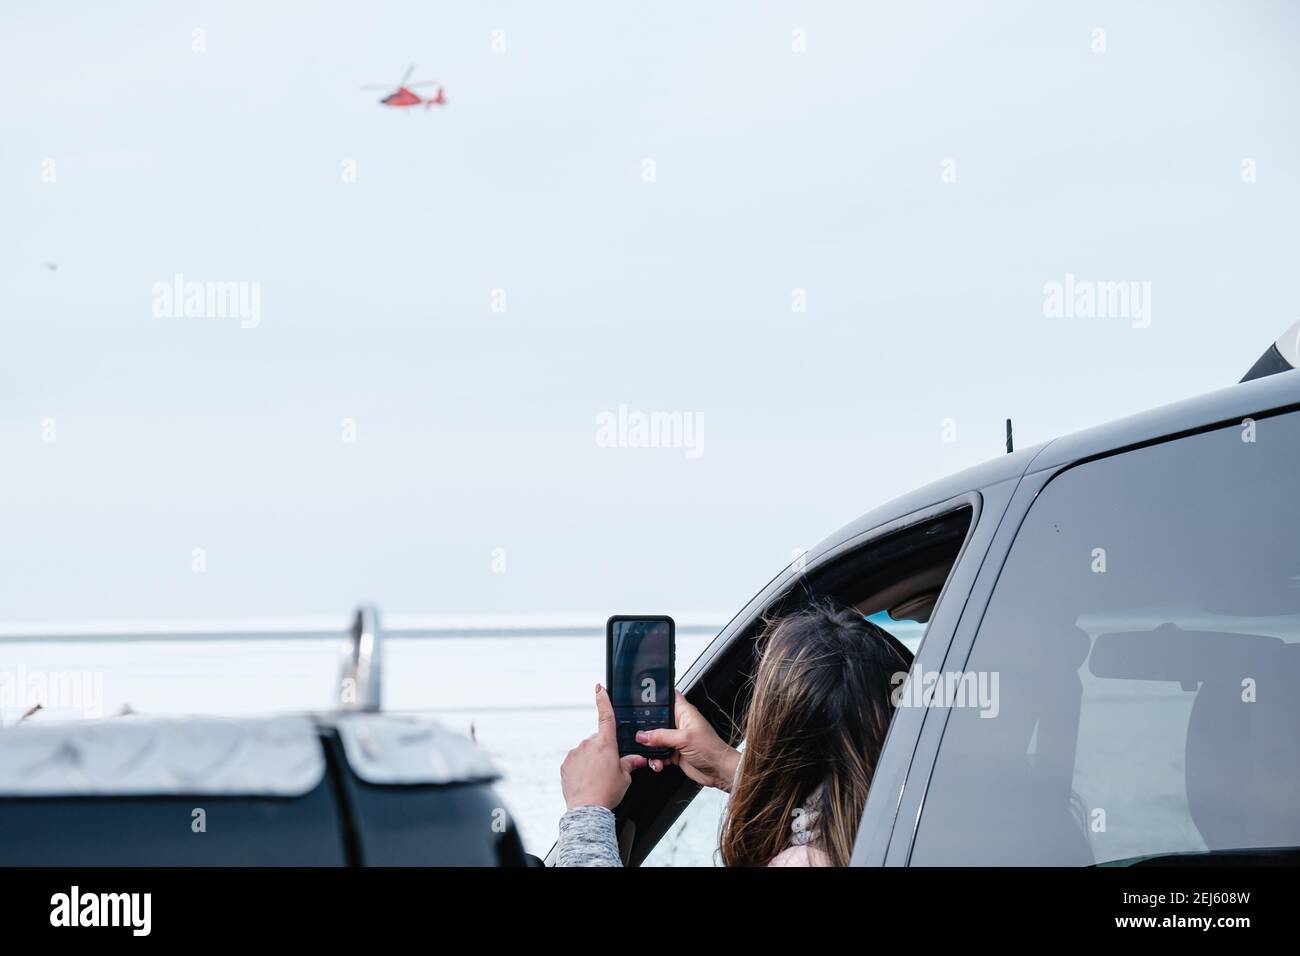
816	722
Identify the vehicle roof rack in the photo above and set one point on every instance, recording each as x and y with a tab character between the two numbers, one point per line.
361	663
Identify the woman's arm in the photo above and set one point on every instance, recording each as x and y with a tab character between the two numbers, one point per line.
594	779
587	838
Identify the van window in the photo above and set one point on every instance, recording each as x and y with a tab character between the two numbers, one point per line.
1144	636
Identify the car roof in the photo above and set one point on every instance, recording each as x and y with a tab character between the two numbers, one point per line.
276	756
1225	405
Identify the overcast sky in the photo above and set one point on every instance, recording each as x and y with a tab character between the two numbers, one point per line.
920	171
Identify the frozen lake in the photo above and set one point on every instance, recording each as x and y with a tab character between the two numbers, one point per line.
528	699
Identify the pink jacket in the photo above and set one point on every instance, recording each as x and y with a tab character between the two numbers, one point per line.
803	855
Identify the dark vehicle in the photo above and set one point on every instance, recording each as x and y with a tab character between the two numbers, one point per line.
351	788
1110	666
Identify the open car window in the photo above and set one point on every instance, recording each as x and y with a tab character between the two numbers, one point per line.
692	840
908	632
894	580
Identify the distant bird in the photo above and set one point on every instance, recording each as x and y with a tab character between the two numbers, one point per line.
52	266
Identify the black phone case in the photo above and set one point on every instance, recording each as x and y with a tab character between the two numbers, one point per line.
672	677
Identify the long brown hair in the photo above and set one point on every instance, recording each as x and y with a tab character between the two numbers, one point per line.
817	718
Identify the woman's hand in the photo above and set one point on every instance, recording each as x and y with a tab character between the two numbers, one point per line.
592	774
697	749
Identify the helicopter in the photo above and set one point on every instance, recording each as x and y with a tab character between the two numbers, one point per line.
404	95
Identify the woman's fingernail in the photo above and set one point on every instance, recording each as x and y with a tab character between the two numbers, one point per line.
640	736
597	688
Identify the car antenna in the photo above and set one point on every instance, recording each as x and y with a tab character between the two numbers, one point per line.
1010	448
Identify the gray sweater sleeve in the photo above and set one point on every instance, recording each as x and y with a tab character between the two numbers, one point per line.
587	838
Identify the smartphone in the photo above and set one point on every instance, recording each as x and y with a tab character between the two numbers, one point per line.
640	677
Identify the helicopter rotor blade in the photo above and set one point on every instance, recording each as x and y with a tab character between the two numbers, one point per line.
377	86
407	75
416	86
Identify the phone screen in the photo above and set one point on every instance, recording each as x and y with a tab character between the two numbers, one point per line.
639	675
